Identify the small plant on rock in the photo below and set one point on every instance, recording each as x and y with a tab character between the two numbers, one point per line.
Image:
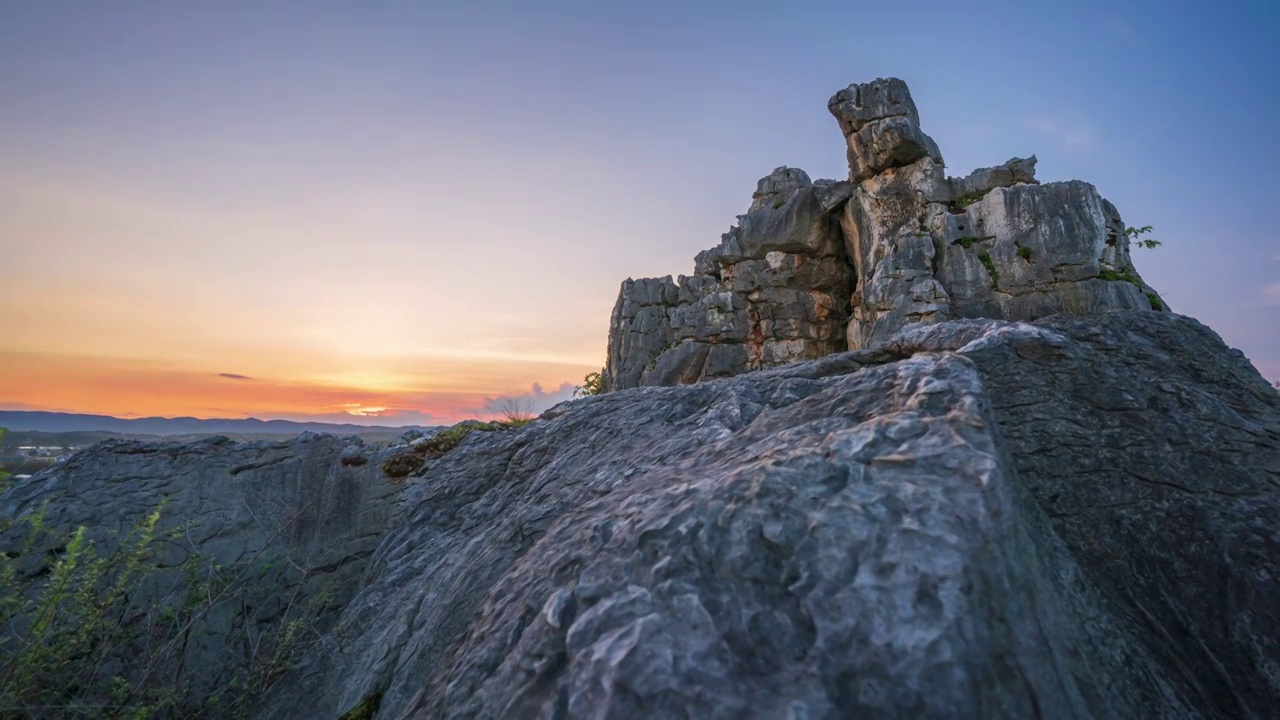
100	627
987	263
1136	237
959	204
1108	274
592	384
515	413
1024	252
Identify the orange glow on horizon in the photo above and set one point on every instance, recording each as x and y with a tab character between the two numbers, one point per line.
437	394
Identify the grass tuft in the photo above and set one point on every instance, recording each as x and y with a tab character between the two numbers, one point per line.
991	269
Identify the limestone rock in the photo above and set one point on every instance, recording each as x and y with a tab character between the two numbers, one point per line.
774	291
777	186
976	519
817	267
993	244
881	128
859	105
984	180
1027	251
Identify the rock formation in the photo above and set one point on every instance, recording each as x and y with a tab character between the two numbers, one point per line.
814	268
1021	494
291	521
774	291
976	519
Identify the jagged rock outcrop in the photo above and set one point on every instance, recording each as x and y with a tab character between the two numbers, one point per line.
774	291
995	244
288	523
911	245
1078	518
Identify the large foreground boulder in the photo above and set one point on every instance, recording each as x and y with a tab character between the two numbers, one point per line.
1077	518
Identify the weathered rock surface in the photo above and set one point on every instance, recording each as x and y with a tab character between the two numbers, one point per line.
911	245
1078	518
774	291
292	521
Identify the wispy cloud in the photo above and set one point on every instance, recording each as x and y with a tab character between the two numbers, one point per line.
1071	135
234	376
1271	294
534	401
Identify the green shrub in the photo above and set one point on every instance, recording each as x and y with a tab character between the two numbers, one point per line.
779	203
965	242
1155	301
1024	252
1135	235
1108	274
592	384
991	269
101	630
446	440
964	201
403	465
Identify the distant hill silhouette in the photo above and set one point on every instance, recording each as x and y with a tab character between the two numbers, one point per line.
18	420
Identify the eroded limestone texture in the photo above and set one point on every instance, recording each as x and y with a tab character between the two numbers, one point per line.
979	519
820	267
775	290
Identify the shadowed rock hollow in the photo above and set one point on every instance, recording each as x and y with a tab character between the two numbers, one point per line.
819	267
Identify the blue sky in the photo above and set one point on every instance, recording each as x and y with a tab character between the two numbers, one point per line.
413	200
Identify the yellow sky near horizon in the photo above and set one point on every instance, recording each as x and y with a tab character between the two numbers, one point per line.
119	300
446	390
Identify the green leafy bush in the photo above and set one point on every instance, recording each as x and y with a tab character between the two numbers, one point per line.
964	201
1136	237
987	263
102	628
1108	274
592	384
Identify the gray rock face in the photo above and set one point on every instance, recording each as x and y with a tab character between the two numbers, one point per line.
994	244
774	291
976	519
820	267
292	520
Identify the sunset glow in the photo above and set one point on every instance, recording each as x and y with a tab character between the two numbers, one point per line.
398	216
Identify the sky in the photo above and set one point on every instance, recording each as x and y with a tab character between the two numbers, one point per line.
401	213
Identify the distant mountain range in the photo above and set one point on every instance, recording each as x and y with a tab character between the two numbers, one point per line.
20	421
